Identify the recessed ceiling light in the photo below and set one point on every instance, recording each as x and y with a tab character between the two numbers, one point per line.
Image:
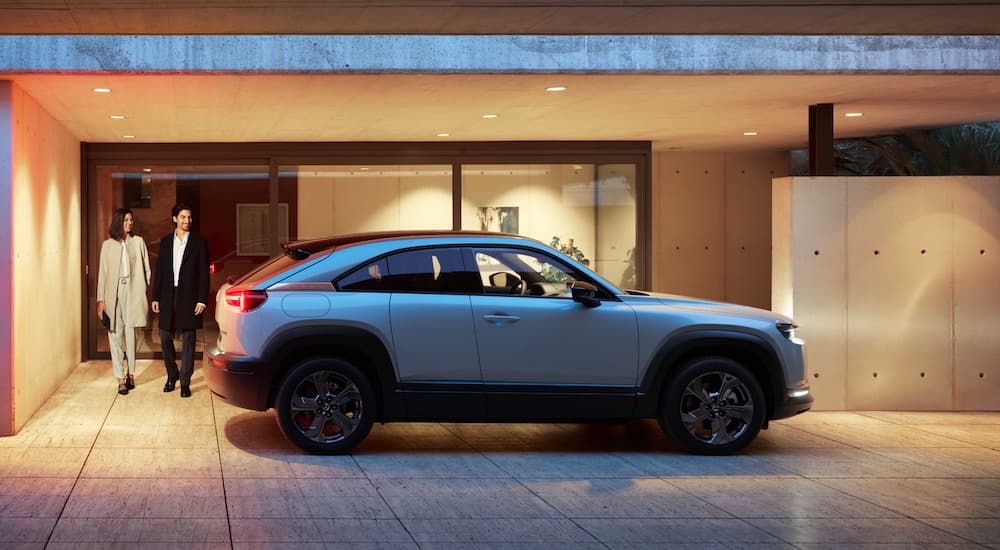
102	90
491	115
556	89
147	170
578	167
364	168
750	133
128	136
443	134
118	117
853	115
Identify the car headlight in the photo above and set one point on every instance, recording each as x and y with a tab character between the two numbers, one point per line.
788	331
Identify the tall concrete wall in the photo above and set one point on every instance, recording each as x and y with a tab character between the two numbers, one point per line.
6	269
44	242
896	285
712	224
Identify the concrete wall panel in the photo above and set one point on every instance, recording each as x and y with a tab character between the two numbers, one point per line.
977	293
810	257
748	225
920	295
899	299
689	218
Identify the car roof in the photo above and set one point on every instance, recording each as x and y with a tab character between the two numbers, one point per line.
311	246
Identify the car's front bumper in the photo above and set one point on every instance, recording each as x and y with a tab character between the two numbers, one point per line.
795	401
237	379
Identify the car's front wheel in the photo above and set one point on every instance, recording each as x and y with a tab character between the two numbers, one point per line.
713	406
325	406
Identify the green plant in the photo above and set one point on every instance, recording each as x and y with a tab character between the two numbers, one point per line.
569	249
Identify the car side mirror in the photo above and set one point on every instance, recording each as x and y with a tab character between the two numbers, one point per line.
584	293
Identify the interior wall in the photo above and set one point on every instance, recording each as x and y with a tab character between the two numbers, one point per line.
712	224
552	200
45	221
346	199
894	284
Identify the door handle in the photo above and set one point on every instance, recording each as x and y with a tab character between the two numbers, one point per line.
500	320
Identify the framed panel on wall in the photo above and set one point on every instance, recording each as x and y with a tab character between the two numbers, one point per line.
252	225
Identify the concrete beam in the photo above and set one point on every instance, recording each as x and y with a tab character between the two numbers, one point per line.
444	54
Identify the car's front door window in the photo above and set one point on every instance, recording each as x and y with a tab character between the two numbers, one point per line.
523	272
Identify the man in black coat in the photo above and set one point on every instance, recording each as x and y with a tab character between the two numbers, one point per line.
180	294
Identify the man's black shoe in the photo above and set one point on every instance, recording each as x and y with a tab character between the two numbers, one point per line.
185	391
169	386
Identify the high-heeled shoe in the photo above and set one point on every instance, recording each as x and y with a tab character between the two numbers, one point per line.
122	389
130	382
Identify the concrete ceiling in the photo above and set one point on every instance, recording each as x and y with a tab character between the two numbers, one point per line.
498	17
691	113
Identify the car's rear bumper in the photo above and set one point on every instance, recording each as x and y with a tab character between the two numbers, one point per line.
237	379
795	401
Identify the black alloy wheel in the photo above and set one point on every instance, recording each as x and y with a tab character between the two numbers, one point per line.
325	406
713	406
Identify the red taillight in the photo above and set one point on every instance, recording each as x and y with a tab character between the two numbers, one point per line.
246	300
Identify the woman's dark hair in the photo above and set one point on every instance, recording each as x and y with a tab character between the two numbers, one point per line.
117	221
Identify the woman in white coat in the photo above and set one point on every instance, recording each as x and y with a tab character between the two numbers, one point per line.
121	293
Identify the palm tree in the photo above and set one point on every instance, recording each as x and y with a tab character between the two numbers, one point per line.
967	150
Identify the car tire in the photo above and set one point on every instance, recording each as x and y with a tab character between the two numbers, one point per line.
713	406
325	406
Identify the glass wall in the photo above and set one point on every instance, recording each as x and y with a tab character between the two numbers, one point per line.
587	199
230	210
585	210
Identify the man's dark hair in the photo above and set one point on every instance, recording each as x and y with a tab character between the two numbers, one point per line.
176	210
115	230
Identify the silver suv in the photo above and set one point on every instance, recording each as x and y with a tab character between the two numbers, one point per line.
339	333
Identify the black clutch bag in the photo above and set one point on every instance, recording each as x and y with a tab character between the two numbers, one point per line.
107	321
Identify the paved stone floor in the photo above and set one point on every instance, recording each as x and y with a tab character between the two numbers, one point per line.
150	470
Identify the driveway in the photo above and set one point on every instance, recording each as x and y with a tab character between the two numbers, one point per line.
152	470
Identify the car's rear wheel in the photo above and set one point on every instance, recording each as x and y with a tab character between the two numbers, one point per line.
325	406
713	406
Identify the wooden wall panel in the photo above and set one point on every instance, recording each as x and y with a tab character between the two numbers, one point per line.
45	256
899	297
977	293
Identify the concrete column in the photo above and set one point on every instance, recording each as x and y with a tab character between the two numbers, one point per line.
6	257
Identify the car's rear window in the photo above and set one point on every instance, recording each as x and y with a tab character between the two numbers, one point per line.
268	269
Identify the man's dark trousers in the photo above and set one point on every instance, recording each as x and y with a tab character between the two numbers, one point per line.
170	355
